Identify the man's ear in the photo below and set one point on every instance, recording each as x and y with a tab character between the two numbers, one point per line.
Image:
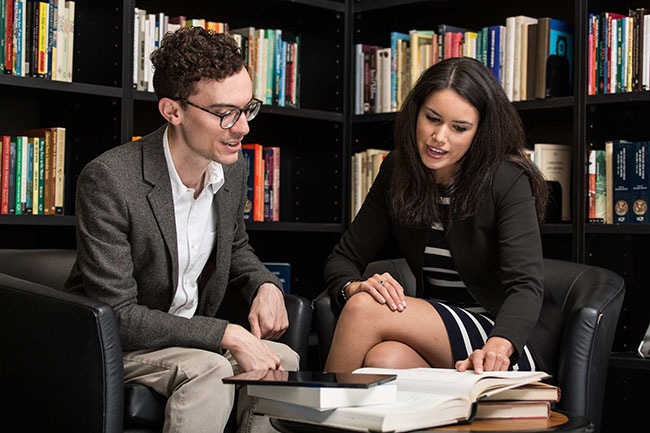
170	110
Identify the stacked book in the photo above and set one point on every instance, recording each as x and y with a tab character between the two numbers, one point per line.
534	400
37	38
270	55
263	200
521	54
618	182
32	172
422	398
365	167
618	55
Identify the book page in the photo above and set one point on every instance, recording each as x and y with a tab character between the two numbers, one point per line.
450	382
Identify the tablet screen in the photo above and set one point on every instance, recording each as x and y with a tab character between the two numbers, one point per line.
309	378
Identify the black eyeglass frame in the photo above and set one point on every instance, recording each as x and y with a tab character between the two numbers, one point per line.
254	111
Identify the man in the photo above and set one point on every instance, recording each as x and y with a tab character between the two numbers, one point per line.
161	234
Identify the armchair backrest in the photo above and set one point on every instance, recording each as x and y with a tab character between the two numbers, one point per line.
53	343
49	267
591	299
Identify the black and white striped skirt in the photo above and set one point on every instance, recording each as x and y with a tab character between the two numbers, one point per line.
469	330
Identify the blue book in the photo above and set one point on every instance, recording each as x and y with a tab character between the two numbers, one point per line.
639	183
283	272
394	38
283	75
561	42
249	157
277	67
621	182
494	51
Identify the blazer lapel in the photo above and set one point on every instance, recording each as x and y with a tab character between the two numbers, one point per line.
160	197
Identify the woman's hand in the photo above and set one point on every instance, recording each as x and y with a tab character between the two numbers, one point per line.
494	356
384	288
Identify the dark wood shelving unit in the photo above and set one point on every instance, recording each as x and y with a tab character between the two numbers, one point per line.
294	227
60	86
628	360
37	220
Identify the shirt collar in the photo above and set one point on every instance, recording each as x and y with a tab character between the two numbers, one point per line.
214	178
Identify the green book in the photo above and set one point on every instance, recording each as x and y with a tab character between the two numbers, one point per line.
270	72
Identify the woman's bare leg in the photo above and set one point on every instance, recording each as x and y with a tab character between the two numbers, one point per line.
364	323
393	354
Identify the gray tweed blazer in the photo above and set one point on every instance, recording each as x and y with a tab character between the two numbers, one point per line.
127	248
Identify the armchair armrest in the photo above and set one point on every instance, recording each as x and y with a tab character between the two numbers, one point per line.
63	359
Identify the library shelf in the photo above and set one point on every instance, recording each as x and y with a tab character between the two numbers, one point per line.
305	113
323	4
38	220
628	360
544	104
294	227
374	117
618	229
618	98
556	229
60	86
364	6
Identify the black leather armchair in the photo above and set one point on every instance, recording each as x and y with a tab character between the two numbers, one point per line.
61	363
591	302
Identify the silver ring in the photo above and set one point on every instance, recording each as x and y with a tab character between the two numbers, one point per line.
381	282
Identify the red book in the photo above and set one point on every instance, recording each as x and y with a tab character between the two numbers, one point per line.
258	182
591	185
4	183
9	38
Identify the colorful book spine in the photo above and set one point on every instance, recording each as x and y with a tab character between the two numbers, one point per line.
29	179
249	157
639	183
621	182
41	174
19	175
601	186
6	164
13	161
591	186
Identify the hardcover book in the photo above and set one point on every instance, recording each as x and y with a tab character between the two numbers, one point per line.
426	397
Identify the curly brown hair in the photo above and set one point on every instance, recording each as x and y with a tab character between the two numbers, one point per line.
190	54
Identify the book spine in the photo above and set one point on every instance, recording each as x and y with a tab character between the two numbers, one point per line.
639	183
249	158
35	162
13	163
9	37
259	184
41	173
59	187
621	183
276	183
19	174
283	75
3	29
6	162
29	179
51	35
47	175
43	19
591	185
267	184
601	186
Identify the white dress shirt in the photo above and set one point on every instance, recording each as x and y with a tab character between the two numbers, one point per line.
195	231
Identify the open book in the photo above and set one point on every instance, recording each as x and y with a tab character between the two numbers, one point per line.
426	397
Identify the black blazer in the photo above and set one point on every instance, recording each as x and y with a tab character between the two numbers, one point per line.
497	253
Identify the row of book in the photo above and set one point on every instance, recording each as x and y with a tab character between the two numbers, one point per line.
37	38
554	162
365	167
271	55
618	182
32	171
619	59
531	58
263	202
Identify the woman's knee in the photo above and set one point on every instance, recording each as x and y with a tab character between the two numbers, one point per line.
361	304
390	354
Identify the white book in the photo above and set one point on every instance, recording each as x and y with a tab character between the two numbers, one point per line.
513	410
521	51
358	80
509	60
426	398
61	52
554	161
70	6
326	397
136	45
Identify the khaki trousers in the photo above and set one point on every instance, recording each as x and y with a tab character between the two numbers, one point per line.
191	380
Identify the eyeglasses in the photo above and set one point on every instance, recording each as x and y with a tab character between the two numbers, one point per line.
227	119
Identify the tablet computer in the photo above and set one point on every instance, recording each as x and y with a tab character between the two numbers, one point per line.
309	379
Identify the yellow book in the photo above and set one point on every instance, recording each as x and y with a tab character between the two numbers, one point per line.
43	20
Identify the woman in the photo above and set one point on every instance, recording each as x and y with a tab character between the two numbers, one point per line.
463	204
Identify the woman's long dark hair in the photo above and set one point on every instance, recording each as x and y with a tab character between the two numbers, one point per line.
415	199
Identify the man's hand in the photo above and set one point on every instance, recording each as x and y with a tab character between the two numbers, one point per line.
494	356
250	352
268	315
